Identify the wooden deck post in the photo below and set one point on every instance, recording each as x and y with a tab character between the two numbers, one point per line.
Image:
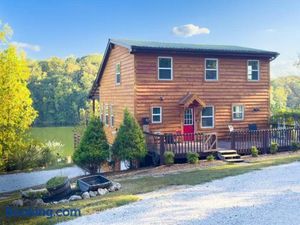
162	149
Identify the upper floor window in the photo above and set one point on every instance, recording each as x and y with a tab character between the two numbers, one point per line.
165	68
106	115
237	112
207	117
156	114
253	70
211	69
118	74
112	117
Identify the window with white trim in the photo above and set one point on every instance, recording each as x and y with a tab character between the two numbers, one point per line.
106	115
238	112
253	70
207	117
112	117
118	74
165	68
211	69
156	114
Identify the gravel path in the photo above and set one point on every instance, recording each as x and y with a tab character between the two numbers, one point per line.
268	196
17	181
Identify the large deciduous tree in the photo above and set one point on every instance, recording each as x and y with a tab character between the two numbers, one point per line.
16	111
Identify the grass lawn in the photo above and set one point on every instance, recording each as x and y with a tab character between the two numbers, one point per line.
64	135
132	187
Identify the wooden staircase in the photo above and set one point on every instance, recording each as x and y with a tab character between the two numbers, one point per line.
229	156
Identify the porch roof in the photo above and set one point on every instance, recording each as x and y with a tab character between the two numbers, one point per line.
189	99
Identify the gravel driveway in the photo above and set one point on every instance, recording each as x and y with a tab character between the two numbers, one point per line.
268	196
17	181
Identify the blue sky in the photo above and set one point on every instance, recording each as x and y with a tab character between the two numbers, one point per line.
79	27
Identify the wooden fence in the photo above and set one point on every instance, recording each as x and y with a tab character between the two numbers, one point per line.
242	141
180	144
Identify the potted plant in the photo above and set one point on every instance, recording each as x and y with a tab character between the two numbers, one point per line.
59	185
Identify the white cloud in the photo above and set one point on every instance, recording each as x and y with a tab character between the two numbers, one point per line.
189	30
31	47
270	30
284	66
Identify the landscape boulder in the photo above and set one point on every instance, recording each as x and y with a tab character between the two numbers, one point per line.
92	194
115	186
102	191
85	195
75	198
17	203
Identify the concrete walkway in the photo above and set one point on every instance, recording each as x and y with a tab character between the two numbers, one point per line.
18	181
268	196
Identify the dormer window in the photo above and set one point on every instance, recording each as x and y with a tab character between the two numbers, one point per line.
165	68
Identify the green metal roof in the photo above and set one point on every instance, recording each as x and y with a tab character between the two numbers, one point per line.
135	46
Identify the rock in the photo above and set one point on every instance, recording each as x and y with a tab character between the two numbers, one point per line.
63	201
92	194
17	203
38	202
27	202
75	198
114	187
85	195
55	203
102	191
34	194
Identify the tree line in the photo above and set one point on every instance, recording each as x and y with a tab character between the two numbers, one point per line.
59	88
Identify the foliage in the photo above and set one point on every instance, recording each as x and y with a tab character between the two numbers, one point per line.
130	142
93	149
274	148
295	146
210	157
285	94
60	88
254	151
31	155
192	157
16	111
169	157
56	181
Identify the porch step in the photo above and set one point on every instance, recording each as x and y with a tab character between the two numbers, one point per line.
229	156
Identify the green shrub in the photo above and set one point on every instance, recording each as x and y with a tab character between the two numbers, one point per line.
254	151
169	157
56	181
210	157
93	149
274	148
192	157
295	146
130	142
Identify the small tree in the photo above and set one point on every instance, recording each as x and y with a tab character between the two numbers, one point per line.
93	149
130	142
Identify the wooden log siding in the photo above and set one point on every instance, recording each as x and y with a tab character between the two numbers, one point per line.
188	76
242	141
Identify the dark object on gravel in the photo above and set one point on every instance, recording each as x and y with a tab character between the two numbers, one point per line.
59	186
92	183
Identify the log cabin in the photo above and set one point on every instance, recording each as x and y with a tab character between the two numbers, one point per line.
183	88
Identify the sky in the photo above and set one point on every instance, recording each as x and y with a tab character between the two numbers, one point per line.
46	28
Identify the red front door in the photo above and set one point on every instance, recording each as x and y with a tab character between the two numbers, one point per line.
188	124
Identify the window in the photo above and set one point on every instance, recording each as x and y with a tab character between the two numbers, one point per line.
165	68
237	112
112	117
106	115
188	116
156	114
211	69
253	70
207	117
118	74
